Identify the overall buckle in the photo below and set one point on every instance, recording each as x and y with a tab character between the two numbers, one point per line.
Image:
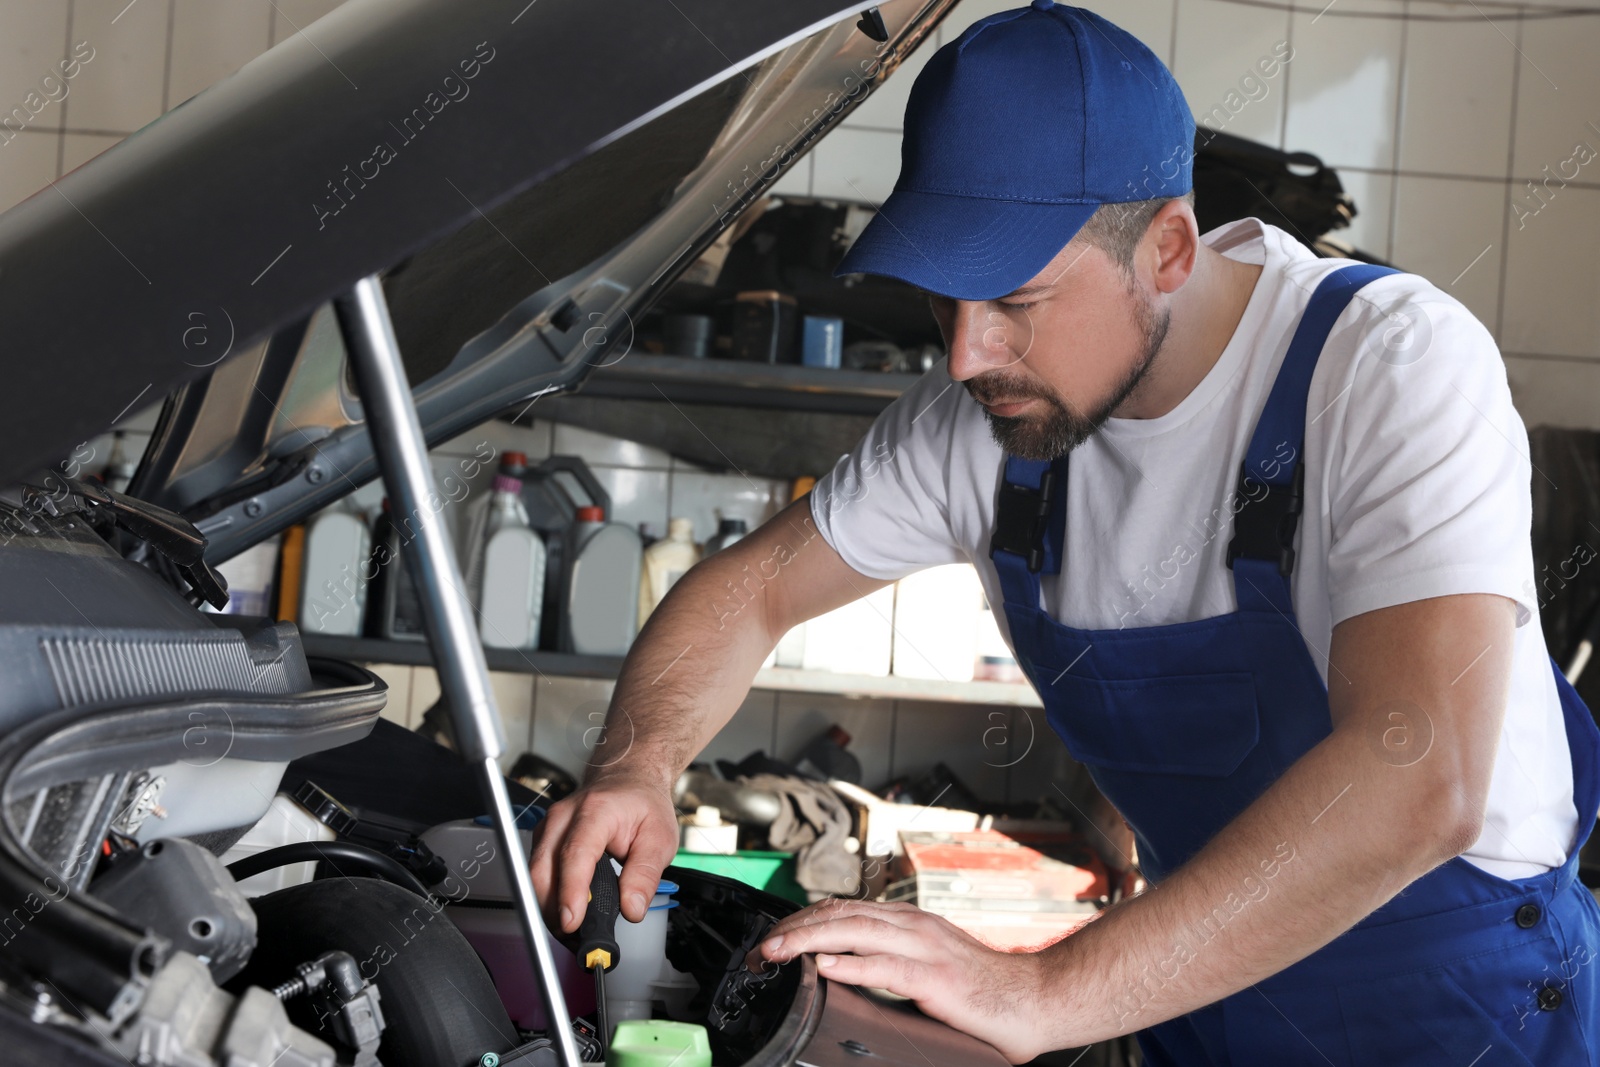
1023	518
1265	527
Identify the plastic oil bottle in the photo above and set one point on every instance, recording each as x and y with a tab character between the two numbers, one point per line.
512	593
475	525
602	594
664	563
334	597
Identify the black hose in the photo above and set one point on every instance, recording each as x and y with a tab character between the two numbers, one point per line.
330	851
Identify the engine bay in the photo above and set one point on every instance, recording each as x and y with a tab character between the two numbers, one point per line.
215	852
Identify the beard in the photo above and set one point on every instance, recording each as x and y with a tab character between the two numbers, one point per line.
1062	427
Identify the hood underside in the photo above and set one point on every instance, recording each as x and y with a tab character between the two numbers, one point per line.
528	179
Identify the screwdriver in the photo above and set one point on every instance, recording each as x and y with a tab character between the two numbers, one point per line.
597	936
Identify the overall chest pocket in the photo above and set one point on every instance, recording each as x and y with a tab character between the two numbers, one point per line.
1203	724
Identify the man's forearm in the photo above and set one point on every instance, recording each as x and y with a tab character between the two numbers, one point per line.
685	676
692	665
1255	899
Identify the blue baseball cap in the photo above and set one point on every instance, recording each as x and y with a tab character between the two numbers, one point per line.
1015	133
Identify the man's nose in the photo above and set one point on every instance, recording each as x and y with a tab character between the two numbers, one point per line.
980	338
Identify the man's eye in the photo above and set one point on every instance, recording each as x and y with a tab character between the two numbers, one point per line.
1024	306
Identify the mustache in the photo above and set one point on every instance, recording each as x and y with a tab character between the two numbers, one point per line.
994	387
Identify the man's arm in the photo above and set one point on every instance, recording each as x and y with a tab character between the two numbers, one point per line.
1417	693
683	679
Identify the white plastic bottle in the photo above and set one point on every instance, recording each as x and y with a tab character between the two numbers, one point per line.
512	596
664	563
602	586
334	597
475	531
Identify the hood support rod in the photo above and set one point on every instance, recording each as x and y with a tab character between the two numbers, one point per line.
446	611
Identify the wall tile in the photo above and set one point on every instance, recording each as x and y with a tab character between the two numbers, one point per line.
1555	392
927	733
27	164
797	182
211	41
1552	287
1558	84
292	16
1219	45
636	496
1440	226
1456	94
750	730
859	165
568	714
120	88
398	678
1342	83
707	497
33	39
533	441
424	692
870	724
1372	193
599	449
513	696
78	148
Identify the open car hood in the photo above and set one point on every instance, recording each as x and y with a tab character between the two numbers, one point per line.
528	178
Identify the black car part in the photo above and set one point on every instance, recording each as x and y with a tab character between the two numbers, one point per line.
346	1002
439	1005
183	892
337	854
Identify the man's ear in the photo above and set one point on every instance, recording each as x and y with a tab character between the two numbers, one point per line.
1172	244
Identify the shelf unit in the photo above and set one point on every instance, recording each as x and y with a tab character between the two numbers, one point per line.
777	679
729	381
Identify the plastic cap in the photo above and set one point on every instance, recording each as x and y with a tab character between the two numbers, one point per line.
707	815
514	459
591	513
838	735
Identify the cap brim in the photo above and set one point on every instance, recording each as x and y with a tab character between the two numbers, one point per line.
963	247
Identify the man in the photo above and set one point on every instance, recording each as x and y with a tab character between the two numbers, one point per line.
1279	602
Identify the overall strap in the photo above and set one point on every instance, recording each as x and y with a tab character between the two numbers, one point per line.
1272	478
1030	526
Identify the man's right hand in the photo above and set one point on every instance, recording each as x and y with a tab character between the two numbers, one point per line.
631	818
682	680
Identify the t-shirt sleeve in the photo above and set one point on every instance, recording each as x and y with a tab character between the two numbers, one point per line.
1429	483
884	507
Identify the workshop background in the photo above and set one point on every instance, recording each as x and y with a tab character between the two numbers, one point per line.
1463	133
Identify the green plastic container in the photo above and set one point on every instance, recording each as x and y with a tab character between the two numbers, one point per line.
658	1043
771	871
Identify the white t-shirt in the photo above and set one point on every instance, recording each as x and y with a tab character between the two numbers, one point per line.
1417	485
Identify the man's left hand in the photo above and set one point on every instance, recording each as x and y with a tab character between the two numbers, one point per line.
950	975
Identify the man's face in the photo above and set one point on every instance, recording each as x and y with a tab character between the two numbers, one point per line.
1053	360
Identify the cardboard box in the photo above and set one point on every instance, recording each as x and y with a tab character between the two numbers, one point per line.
1015	891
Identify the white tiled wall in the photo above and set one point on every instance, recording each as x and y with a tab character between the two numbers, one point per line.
1435	114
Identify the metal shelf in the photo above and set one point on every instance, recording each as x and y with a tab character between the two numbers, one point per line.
773	679
894	687
726	381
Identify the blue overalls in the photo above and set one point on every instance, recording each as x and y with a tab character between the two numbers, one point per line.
1183	726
